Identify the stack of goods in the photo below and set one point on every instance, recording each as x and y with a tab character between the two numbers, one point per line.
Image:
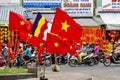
4	36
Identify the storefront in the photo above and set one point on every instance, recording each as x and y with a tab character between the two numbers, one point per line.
110	14
109	11
92	31
112	29
112	25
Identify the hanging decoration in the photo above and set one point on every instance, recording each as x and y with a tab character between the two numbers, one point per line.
92	35
4	35
112	35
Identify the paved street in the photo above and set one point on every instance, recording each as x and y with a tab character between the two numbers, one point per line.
98	72
84	72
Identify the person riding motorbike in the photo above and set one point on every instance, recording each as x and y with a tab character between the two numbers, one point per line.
27	52
82	52
117	50
96	48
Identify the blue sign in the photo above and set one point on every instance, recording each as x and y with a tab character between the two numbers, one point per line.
42	5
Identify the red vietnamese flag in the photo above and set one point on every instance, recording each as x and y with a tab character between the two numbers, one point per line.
65	26
35	41
19	23
72	50
10	55
56	45
40	51
24	36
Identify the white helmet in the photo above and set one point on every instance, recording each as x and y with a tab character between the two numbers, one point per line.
78	44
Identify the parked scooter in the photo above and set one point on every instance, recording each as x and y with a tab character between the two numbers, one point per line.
87	60
46	59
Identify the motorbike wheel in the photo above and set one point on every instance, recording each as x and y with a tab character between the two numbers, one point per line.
107	62
96	61
59	61
48	63
73	62
92	62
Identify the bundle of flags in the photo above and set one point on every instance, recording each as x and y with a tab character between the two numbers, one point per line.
55	36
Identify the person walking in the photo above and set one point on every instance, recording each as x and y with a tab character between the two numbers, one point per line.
5	52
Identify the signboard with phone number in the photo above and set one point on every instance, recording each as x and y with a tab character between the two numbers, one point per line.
111	5
78	7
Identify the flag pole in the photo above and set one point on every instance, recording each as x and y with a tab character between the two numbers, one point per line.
55	67
42	77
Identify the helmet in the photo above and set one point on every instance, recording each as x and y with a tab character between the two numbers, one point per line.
78	44
84	42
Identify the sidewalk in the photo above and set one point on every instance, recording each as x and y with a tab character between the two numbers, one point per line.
63	76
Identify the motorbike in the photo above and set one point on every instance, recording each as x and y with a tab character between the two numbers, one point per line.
99	57
19	61
62	59
46	59
87	60
32	61
112	58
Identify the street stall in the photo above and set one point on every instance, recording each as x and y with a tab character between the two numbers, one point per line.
92	31
110	13
111	19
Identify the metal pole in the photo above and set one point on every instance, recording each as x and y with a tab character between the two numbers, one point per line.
43	76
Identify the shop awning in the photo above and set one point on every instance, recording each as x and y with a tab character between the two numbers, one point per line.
98	19
110	18
4	13
48	16
112	27
82	21
87	22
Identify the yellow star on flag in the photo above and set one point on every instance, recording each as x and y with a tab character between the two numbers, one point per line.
71	47
56	44
41	44
65	26
30	35
64	39
22	23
